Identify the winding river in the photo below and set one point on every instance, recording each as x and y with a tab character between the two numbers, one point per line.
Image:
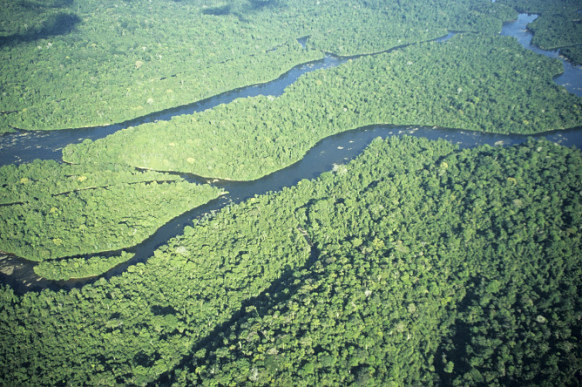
24	146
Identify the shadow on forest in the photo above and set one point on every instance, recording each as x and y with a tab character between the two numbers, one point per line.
280	290
240	8
455	350
39	4
59	24
216	11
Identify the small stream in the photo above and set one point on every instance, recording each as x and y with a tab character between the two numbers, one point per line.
337	149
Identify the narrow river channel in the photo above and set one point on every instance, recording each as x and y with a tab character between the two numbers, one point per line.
23	147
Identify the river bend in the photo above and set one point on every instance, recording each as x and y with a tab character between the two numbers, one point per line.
337	149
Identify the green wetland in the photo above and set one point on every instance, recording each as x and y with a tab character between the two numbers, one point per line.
226	233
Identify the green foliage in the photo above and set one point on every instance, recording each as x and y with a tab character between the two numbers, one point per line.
72	268
120	62
574	53
59	210
555	31
468	82
39	179
364	275
361	28
520	321
558	31
558	26
415	264
363	311
361	314
152	64
542	6
140	324
25	19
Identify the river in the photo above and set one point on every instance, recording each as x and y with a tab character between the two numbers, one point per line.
337	149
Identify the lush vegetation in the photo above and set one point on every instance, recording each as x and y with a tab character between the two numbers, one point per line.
25	20
470	250
415	264
41	179
573	53
543	6
556	31
370	26
468	82
57	210
72	268
140	324
559	31
558	26
120	62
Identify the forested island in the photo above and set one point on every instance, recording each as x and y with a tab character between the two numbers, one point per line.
416	263
467	82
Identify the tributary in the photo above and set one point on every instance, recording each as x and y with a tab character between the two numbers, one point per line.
23	147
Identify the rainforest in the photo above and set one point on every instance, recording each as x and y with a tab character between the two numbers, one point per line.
290	192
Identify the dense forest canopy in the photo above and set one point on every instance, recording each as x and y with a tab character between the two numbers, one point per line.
417	263
558	27
125	59
467	82
32	19
51	211
543	6
430	277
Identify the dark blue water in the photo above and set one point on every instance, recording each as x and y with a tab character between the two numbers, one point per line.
25	146
331	151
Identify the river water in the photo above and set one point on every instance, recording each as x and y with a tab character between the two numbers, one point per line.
571	78
337	149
